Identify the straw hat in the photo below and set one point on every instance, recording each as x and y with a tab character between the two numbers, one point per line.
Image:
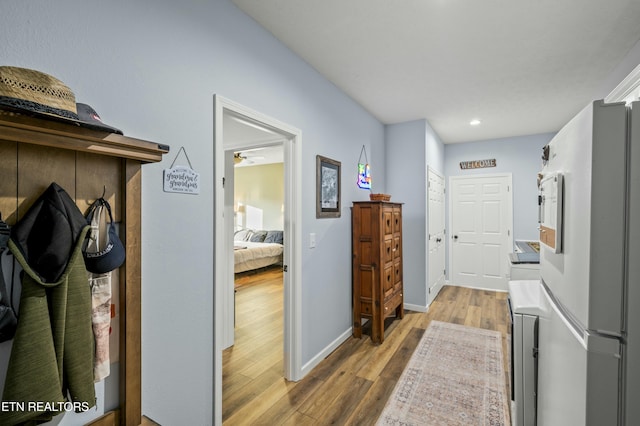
45	96
36	91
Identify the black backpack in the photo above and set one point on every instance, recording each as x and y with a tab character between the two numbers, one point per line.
8	315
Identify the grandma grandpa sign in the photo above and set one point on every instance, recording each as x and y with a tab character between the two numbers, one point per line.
181	179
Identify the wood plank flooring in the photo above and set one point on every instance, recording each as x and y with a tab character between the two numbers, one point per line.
350	386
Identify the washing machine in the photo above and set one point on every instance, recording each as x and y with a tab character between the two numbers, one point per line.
524	307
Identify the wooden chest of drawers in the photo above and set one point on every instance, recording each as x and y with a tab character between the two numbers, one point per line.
377	265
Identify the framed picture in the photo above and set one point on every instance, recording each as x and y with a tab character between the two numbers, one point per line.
327	187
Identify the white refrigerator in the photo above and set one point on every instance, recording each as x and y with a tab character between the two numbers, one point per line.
589	325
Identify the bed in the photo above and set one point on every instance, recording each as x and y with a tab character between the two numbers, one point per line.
256	249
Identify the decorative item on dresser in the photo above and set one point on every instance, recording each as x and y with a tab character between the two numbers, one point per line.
377	265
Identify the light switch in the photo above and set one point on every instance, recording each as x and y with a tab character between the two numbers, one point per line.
312	240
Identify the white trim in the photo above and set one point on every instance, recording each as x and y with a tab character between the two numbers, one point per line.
509	176
437	289
479	288
415	308
220	274
326	351
630	84
223	251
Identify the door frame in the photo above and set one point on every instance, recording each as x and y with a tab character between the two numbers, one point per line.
223	245
509	177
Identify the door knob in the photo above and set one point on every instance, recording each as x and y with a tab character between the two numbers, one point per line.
455	237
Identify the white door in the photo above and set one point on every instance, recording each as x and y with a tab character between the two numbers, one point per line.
435	227
481	223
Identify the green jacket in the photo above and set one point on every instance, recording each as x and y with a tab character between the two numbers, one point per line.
53	349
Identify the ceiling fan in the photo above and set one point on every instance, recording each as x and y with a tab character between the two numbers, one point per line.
244	157
238	158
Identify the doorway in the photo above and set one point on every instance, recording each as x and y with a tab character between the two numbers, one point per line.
290	139
481	219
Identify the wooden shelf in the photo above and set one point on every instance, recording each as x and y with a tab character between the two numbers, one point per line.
67	135
35	152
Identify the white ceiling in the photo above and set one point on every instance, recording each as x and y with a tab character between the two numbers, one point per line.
265	145
520	66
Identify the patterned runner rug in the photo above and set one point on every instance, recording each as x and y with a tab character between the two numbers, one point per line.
454	377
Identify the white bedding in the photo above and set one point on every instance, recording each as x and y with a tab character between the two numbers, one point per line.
249	255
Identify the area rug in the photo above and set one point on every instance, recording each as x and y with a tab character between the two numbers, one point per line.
454	377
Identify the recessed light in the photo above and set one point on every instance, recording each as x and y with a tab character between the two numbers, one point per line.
474	122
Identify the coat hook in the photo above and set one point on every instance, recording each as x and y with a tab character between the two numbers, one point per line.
104	190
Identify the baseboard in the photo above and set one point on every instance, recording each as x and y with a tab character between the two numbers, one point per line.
325	352
415	308
438	287
480	288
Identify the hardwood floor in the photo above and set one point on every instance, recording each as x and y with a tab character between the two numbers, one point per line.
350	386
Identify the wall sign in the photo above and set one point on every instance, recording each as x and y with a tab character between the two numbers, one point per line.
364	176
477	164
364	171
181	179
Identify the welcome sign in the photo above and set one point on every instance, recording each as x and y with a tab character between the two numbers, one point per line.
478	164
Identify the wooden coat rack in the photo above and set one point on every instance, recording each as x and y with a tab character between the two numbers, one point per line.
35	152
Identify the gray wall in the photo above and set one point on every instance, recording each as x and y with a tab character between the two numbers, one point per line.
151	68
435	150
410	148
